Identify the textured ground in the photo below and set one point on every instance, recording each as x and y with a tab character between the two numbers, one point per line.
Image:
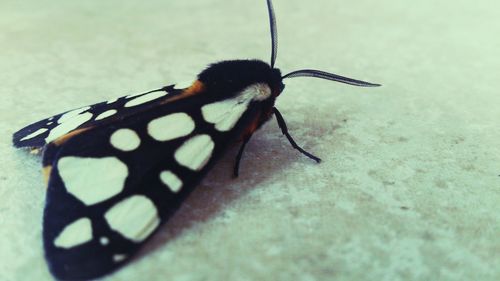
409	188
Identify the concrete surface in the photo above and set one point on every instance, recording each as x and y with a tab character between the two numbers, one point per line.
409	188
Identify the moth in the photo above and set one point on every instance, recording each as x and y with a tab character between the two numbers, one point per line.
117	170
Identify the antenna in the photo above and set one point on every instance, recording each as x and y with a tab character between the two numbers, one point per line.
328	76
274	33
306	72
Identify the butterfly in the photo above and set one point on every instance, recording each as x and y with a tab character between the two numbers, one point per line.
117	170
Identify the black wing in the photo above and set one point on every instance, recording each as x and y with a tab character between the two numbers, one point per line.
111	187
40	133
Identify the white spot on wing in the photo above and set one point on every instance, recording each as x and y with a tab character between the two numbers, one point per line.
92	180
135	217
104	241
125	139
70	114
171	126
226	113
34	134
106	114
68	126
171	180
145	98
76	233
119	257
112	101
195	152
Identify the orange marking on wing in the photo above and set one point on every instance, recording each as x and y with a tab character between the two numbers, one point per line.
62	139
46	174
35	150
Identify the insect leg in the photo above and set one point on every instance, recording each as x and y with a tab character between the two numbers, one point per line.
239	155
284	130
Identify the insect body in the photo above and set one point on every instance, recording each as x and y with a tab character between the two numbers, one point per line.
117	170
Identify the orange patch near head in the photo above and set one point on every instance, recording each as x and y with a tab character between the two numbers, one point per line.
196	88
259	119
251	128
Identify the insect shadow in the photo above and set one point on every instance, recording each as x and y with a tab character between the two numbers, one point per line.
264	156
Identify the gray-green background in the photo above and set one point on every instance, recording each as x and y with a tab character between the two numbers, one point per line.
409	188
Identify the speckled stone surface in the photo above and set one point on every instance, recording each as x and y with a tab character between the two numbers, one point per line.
409	188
